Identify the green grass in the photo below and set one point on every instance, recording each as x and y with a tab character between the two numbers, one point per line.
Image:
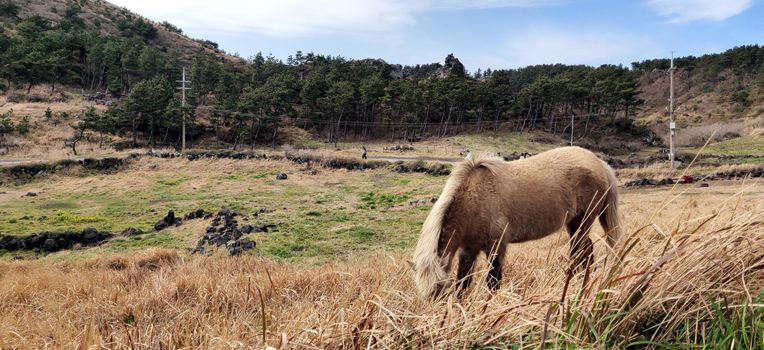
325	218
373	200
746	145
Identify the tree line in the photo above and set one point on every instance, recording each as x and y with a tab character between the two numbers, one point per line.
246	102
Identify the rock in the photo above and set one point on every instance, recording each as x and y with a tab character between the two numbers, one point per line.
131	232
196	214
168	220
161	225
31	194
224	230
170	217
452	66
281	176
235	248
89	234
703	184
50	245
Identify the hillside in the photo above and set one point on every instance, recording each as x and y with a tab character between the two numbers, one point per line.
110	20
709	88
93	53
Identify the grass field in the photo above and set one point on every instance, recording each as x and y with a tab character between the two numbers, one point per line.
334	275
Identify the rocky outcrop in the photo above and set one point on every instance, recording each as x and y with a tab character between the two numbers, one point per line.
452	67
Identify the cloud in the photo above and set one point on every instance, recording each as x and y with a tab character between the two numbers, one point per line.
282	18
682	11
302	18
486	4
555	45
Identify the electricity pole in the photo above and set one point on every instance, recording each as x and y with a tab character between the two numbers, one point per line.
672	124
183	89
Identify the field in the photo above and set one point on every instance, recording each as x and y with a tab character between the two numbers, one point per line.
335	275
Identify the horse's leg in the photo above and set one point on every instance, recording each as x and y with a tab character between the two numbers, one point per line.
494	275
464	273
581	246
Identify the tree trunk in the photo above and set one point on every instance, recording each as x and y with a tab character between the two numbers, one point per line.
273	139
151	131
135	129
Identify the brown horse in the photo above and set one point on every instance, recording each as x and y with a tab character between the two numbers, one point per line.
488	203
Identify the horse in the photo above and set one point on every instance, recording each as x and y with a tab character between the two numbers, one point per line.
488	203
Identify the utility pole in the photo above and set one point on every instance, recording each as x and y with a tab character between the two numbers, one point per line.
672	124
183	89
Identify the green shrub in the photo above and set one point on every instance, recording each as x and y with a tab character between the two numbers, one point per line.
23	127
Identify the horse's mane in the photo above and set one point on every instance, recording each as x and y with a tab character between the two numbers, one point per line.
485	160
429	272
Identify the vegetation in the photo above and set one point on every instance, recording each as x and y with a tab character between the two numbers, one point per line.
347	283
339	98
247	101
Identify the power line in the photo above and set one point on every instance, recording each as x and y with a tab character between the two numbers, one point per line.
672	124
376	123
183	89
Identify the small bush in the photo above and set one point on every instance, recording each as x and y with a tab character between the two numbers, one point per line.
171	27
23	127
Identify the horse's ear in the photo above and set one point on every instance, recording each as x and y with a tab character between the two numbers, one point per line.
411	264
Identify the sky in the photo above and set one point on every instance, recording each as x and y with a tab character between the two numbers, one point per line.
483	34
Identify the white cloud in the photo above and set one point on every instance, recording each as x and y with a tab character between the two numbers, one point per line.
302	18
484	4
554	45
282	18
681	11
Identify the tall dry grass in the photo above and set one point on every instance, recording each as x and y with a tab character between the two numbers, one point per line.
675	276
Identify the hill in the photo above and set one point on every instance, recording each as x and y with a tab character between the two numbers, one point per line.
110	20
91	52
709	88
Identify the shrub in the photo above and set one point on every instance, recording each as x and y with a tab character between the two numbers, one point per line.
6	125
115	87
23	127
171	27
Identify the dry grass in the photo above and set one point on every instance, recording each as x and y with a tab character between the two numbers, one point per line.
684	252
663	170
46	136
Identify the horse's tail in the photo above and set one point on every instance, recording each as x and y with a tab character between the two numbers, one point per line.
610	219
429	275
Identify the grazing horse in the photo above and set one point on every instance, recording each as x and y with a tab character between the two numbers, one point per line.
488	203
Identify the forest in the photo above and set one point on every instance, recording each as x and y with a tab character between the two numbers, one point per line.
244	102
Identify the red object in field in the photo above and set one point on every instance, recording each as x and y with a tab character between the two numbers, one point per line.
687	179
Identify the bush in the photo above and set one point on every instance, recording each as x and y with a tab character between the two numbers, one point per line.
48	114
6	125
171	27
8	9
23	127
115	88
627	125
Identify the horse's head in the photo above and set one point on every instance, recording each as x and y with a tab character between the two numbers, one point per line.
436	290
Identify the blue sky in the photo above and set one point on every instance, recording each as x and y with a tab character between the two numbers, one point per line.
481	33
